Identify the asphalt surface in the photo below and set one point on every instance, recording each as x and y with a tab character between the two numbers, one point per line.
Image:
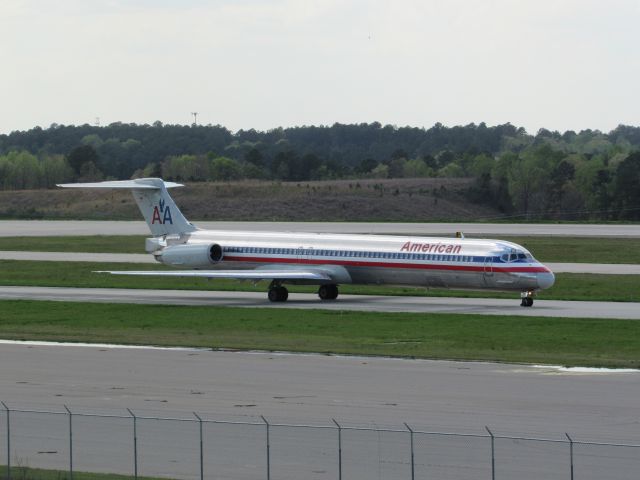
458	397
366	303
598	268
312	389
12	228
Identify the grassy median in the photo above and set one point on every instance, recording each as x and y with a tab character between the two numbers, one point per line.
28	473
586	342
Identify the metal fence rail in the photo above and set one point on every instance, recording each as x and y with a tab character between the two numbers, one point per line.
197	447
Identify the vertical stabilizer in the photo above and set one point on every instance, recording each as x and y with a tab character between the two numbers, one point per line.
156	205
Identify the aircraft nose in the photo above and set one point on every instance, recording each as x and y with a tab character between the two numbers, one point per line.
546	279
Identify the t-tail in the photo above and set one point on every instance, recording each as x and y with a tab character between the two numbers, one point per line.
158	208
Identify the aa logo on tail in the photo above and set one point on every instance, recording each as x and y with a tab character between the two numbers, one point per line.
161	214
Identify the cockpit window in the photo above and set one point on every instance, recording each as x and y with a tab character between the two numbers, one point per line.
515	255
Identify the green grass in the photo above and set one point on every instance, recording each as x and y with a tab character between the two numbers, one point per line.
28	473
587	342
90	244
545	249
569	286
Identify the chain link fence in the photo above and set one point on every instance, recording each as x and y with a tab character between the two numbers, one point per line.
195	446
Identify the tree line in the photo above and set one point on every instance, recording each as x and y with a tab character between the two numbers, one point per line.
586	174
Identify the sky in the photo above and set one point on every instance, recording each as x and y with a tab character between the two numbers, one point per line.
558	64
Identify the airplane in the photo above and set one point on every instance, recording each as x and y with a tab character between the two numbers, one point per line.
325	260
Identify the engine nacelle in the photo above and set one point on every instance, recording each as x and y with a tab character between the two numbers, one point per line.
193	256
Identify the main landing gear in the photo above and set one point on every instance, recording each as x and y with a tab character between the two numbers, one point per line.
527	299
328	292
278	293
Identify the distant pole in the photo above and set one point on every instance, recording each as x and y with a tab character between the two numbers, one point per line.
201	447
8	441
195	118
268	448
135	444
570	454
70	442
493	454
413	462
339	449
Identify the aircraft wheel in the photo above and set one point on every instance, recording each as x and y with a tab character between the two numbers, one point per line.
527	302
278	294
284	294
273	295
328	292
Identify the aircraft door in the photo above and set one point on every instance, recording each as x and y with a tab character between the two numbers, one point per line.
488	267
305	254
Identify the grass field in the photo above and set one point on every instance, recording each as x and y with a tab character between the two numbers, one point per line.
28	473
402	199
90	244
545	249
590	342
569	286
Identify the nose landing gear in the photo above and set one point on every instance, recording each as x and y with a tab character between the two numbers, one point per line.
527	299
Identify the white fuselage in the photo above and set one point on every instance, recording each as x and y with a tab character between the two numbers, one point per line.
379	259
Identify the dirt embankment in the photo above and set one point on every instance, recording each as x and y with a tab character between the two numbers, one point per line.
410	200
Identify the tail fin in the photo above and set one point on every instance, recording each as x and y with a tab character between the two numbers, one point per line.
159	210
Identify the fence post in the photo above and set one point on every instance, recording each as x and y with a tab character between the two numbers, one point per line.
268	449
493	454
570	453
201	448
413	464
70	442
8	440
339	449
135	444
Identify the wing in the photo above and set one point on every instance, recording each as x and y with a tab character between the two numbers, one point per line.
258	274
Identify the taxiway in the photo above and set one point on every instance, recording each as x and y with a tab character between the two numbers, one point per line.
367	303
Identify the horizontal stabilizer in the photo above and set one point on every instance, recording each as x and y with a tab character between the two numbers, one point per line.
156	205
137	184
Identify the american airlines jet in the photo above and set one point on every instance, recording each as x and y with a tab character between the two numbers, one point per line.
326	260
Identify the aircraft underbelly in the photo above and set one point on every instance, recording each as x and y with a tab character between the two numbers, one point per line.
417	277
414	277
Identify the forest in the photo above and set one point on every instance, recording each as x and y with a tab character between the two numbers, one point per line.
586	175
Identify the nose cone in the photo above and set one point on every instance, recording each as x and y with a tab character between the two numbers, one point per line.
546	279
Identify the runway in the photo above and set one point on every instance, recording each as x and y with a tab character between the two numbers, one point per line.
366	303
596	268
12	228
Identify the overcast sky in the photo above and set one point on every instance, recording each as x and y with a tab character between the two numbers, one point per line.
558	64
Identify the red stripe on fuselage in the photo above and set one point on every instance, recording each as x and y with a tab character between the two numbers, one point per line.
423	266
